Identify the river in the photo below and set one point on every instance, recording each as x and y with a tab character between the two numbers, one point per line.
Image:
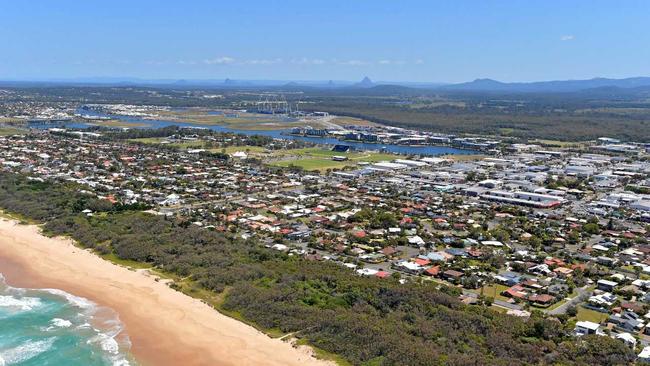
279	134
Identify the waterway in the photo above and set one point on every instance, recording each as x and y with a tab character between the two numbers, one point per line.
278	134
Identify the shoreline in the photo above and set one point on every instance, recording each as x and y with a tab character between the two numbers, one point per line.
165	326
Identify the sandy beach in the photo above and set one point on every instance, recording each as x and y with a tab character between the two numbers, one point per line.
166	327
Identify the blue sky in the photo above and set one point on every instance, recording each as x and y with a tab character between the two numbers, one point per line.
398	40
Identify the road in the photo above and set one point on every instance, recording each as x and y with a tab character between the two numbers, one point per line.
571	301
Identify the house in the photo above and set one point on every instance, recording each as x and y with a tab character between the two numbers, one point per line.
508	278
390	252
603	300
627	320
452	275
606	285
415	241
627	338
563	272
408	267
542	299
382	274
586	327
439	256
644	356
516	292
432	271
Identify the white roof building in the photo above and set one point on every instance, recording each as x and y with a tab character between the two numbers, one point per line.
644	356
586	327
239	155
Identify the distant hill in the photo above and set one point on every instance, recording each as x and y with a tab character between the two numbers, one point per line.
365	83
596	86
548	86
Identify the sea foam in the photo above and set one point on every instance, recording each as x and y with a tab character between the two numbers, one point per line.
21	303
77	301
26	351
61	323
71	316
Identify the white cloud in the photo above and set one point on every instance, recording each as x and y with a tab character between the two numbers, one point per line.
352	63
391	62
419	61
568	37
264	62
307	61
219	61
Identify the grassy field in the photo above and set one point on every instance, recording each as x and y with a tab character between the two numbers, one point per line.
319	159
557	143
149	140
590	315
347	121
10	119
255	121
5	131
246	148
161	140
494	291
313	164
119	123
249	149
310	159
243	121
466	157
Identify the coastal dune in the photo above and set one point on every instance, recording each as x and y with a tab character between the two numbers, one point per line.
165	326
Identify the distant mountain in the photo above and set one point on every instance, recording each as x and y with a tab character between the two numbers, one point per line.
365	83
596	86
548	86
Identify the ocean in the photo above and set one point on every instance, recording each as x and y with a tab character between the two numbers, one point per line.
52	327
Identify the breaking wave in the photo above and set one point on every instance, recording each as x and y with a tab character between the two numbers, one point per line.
51	325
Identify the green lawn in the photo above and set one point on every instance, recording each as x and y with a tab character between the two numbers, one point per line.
498	309
5	131
320	159
493	291
315	163
244	121
317	151
590	315
119	123
310	159
257	151
149	140
160	140
201	144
